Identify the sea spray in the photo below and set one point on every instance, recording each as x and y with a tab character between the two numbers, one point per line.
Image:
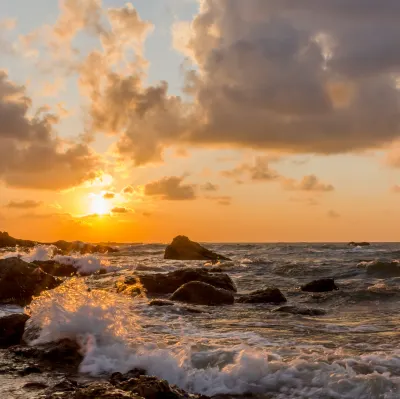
114	336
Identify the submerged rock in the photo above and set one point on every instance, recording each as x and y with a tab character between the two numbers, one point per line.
19	281
322	285
182	248
359	244
199	293
56	269
167	283
300	310
265	295
12	329
383	268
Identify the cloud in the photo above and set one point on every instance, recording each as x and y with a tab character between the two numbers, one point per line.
31	155
120	210
307	183
333	215
209	187
171	188
128	190
259	171
28	204
108	195
221	200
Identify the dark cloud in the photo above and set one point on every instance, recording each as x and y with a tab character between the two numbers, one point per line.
307	183
333	215
109	195
259	171
120	210
31	156
128	190
209	187
28	204
171	188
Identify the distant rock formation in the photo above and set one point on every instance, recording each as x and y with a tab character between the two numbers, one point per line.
359	244
322	285
199	293
182	248
167	283
265	295
64	246
19	281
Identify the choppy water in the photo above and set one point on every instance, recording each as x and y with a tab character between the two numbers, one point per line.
351	352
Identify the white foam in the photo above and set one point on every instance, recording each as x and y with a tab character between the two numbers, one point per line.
39	253
85	264
110	329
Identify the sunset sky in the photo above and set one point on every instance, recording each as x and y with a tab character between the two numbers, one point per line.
224	120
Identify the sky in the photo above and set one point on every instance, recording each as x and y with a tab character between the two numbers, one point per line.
223	120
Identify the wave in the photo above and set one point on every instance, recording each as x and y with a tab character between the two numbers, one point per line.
110	329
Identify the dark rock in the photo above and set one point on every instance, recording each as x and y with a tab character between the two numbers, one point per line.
116	378
101	390
7	241
82	247
12	329
35	385
167	283
200	293
182	248
65	385
359	244
19	281
30	370
56	269
300	310
160	302
322	285
383	268
266	295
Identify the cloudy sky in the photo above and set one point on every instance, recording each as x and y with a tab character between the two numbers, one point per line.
225	120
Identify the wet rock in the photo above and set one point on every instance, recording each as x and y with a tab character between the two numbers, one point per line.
12	329
56	269
66	385
168	283
19	281
300	310
35	385
30	370
182	248
199	293
383	268
82	247
116	378
265	295
322	285
160	302
359	244
102	391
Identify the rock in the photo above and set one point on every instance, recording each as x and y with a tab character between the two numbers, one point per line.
182	248
300	310
359	244
161	302
383	268
7	241
102	390
322	285
265	295
12	329
197	292
82	247
167	283
35	385
30	370
19	281
55	269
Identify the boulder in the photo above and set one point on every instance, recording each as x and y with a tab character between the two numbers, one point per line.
182	248
167	283
300	310
322	285
199	293
265	295
19	281
383	268
359	244
56	269
12	329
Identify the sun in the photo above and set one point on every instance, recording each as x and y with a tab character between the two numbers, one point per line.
99	205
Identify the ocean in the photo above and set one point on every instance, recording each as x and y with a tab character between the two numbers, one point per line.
351	351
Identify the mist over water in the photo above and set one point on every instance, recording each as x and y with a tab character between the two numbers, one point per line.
352	351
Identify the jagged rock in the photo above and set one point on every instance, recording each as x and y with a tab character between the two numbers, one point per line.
11	329
199	293
322	285
167	283
56	269
383	268
359	244
300	310
102	390
265	295
19	281
182	248
7	241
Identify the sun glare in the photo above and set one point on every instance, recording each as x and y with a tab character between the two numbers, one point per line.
99	205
